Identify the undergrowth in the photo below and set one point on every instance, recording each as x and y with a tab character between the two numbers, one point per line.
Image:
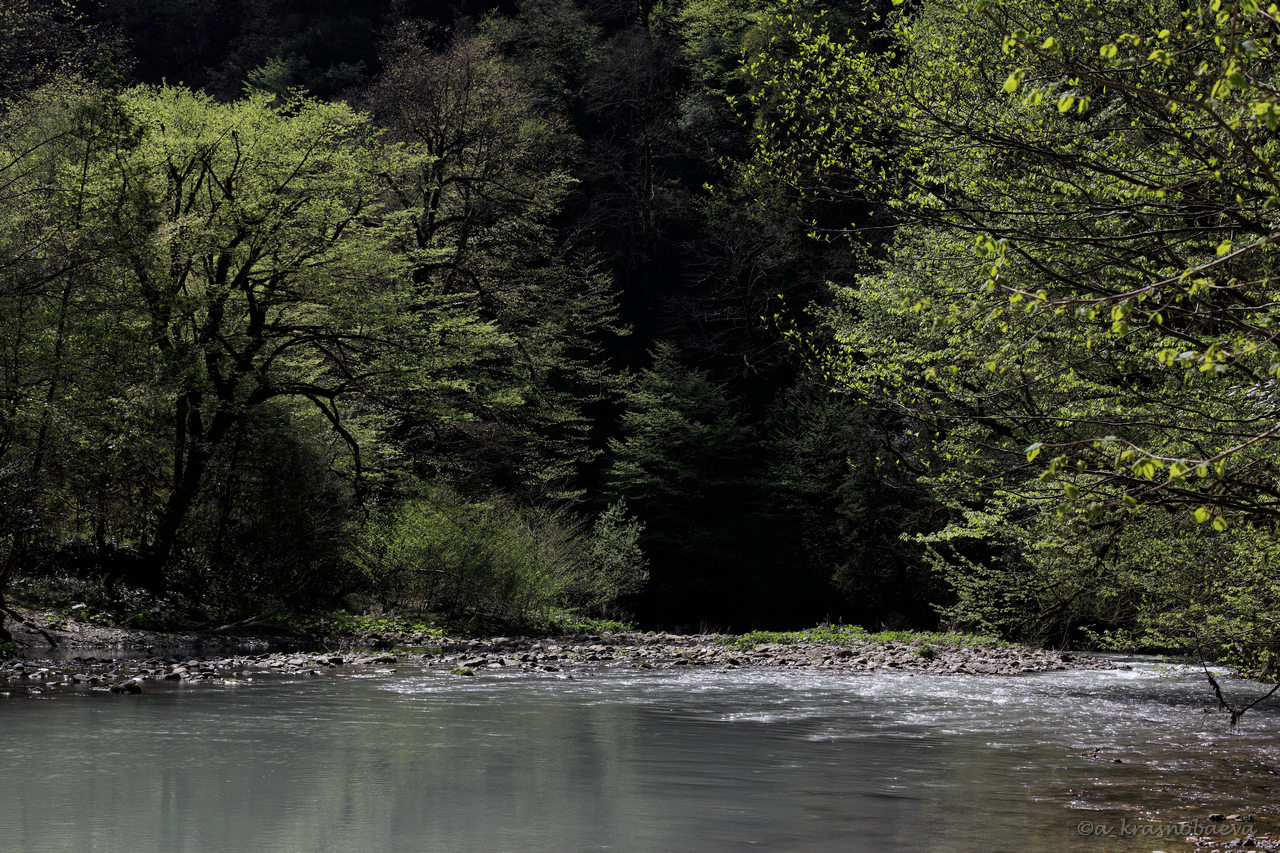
72	598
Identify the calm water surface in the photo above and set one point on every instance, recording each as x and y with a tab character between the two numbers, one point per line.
631	761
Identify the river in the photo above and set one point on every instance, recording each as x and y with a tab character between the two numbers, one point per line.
660	762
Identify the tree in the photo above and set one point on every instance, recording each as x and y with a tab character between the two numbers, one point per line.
217	46
1080	268
42	41
266	267
840	503
631	201
1101	221
60	349
554	44
439	552
182	269
481	209
683	464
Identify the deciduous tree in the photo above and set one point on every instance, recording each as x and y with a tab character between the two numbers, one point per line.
1074	310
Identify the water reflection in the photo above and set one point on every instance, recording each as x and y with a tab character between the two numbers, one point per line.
649	761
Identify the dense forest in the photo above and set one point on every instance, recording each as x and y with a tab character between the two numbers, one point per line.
725	313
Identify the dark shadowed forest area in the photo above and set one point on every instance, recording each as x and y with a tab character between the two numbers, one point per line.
732	314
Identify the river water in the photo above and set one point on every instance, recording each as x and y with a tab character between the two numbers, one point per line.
653	761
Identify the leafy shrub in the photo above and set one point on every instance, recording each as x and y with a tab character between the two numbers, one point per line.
615	565
441	552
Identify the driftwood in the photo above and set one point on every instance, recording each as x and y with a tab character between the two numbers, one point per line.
1236	713
251	622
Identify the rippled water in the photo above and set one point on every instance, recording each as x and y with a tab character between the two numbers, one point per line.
632	761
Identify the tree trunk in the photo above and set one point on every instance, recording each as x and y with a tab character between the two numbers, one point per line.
6	573
179	504
191	462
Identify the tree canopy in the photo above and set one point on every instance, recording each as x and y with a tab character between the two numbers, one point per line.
1068	295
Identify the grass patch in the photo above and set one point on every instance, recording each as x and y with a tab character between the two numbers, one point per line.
847	635
555	624
362	624
568	623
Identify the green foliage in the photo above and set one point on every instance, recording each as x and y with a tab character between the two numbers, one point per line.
442	552
681	446
479	206
1073	316
835	484
495	560
1062	277
215	45
39	41
207	289
232	324
269	525
567	623
616	566
1149	582
362	624
555	43
73	597
683	465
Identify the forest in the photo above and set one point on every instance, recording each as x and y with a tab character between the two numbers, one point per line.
732	314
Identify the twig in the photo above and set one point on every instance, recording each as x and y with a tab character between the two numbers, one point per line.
1236	713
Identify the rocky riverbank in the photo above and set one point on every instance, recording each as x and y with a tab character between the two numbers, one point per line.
40	677
35	671
668	651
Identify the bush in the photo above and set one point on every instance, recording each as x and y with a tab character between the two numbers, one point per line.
443	553
616	567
